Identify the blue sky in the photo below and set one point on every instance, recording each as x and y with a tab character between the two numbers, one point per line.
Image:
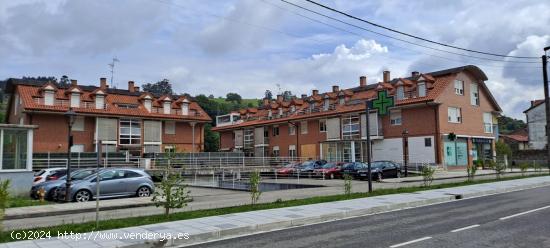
248	46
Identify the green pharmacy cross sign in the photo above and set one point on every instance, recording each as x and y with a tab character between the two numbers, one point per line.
382	102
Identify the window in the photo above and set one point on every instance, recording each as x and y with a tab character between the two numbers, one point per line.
427	142
487	122
280	112
474	94
400	93
75	100
292	108
342	100
130	132
454	115
276	151
48	97
151	148
249	138
99	102
185	108
292	151
131	174
459	87
127	106
78	124
322	126
350	127
275	130
326	105
147	104
166	107
170	127
311	106
291	129
395	117
269	114
169	149
77	148
14	149
421	88
303	127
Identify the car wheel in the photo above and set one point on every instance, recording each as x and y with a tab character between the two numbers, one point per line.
51	194
82	196
379	177
143	191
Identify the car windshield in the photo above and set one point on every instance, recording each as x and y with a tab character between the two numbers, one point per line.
38	173
329	166
289	165
307	163
349	166
377	165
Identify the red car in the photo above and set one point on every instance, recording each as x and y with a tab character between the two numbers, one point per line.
330	170
288	169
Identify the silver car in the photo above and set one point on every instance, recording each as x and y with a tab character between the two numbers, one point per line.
115	182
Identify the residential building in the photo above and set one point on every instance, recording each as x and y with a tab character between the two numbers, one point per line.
123	120
332	125
518	140
536	124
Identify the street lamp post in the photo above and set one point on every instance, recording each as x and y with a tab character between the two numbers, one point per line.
547	103
406	151
70	115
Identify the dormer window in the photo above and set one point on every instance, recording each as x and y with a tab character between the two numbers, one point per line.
99	101
292	108
269	114
185	107
75	100
147	104
341	100
327	104
312	106
166	107
400	93
280	112
49	97
421	88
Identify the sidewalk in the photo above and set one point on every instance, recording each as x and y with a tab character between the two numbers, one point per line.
210	228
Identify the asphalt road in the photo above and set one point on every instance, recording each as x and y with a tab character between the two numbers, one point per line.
516	219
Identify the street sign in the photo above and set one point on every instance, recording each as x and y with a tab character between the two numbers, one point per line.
382	103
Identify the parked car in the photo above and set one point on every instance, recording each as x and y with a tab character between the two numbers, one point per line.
288	169
41	175
115	182
51	186
330	170
57	175
381	170
351	168
309	166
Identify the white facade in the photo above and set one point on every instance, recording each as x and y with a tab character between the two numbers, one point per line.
536	123
420	150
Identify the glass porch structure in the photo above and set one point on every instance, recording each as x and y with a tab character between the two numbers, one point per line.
16	143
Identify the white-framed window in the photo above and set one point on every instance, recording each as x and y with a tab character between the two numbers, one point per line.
400	93
459	87
276	151
78	124
99	102
75	100
326	104
341	100
48	97
167	107
248	137
292	151
395	117
322	125
291	129
303	127
280	112
292	108
275	130
185	108
488	122
130	131
151	148
454	115
170	127
269	114
351	128
169	149
15	149
474	94
421	88
147	104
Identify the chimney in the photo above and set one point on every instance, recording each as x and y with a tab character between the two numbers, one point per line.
415	73
136	88
335	88
103	83
386	76
266	101
73	82
131	86
304	96
279	98
315	92
363	81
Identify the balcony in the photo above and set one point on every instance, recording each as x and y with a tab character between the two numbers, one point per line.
66	103
157	110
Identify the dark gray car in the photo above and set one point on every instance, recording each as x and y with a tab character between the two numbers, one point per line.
115	182
51	186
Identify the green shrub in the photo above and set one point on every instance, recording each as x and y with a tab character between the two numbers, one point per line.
347	184
172	191
427	175
471	170
255	192
523	167
4	198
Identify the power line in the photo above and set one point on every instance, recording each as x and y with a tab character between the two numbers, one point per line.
399	39
361	36
414	36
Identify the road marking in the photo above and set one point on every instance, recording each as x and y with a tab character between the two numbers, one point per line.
464	228
522	213
410	242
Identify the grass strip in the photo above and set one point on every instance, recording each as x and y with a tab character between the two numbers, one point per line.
153	219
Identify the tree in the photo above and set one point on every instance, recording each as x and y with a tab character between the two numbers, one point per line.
268	94
64	81
211	139
163	87
255	192
234	98
172	191
210	96
503	149
508	125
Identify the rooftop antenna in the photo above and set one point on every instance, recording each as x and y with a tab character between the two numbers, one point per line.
279	89
112	65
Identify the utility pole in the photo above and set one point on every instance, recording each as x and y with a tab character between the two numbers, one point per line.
112	65
546	103
368	147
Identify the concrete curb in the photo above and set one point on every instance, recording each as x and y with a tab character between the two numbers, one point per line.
72	211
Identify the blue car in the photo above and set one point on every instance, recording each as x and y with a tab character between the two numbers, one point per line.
51	186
